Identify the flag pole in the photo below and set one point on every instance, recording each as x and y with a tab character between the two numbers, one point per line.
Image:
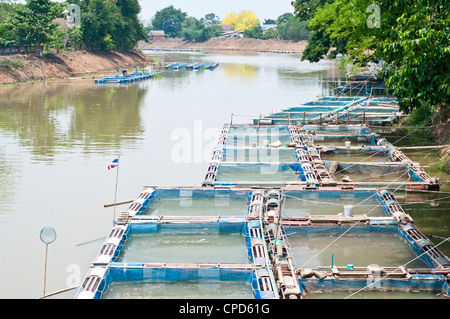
115	193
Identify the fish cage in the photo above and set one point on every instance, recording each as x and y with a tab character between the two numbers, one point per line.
290	207
264	253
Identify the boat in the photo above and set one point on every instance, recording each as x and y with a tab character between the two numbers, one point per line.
132	77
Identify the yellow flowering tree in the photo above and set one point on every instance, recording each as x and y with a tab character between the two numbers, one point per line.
230	19
245	20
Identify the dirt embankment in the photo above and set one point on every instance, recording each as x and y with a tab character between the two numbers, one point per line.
234	44
22	68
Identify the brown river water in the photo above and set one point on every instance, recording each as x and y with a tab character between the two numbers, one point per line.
57	139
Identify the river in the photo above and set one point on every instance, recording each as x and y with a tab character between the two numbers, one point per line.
58	137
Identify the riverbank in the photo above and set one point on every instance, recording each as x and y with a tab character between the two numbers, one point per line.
25	68
230	44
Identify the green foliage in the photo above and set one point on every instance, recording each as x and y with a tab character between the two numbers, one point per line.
412	40
270	34
8	64
76	38
340	25
31	23
108	24
195	31
7	8
291	28
288	28
417	50
210	18
305	9
269	21
255	33
421	115
170	20
443	163
105	24
284	18
100	20
130	31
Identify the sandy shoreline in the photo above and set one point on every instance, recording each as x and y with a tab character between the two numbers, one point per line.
230	44
23	68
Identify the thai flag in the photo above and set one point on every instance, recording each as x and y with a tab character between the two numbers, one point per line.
114	164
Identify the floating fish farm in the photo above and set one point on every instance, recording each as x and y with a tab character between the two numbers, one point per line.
337	110
132	77
191	66
172	50
274	200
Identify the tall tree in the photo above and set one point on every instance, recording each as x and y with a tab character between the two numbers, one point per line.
410	37
131	30
416	47
245	20
33	23
211	18
169	19
305	9
110	24
100	20
290	27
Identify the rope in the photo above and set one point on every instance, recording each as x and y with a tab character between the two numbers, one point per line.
388	274
350	228
356	222
370	156
366	178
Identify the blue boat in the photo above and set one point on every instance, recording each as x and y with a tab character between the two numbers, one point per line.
191	66
132	77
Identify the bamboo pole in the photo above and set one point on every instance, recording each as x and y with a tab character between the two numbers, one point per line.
58	292
115	193
118	204
422	147
45	269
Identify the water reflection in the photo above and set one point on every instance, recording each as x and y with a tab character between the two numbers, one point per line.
9	175
240	71
49	119
53	123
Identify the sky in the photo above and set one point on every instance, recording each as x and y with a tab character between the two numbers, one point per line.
264	9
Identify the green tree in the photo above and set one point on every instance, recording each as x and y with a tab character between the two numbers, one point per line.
110	24
195	31
170	20
284	18
291	28
269	21
255	32
131	30
304	9
191	29
100	20
416	48
411	38
210	18
7	8
271	34
33	23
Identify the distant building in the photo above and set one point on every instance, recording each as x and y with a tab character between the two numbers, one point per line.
226	28
156	34
266	27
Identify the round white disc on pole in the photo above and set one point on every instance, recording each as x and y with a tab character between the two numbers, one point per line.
48	235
